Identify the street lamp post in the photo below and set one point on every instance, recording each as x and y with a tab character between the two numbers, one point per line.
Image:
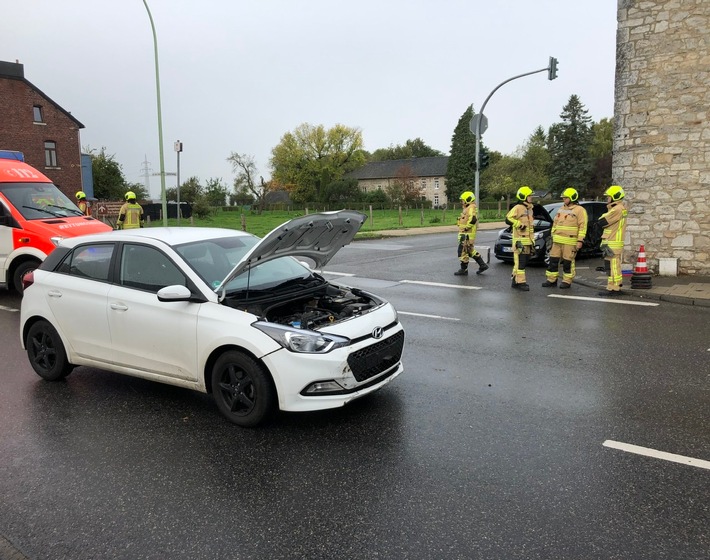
178	149
551	70
163	197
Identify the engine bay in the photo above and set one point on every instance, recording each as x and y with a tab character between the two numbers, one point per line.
327	305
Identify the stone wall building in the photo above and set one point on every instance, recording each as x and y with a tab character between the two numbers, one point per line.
662	129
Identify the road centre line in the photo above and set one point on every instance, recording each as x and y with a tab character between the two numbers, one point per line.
440	285
648	452
3	308
428	316
602	300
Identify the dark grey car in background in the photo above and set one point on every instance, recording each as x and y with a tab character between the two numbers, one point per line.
544	215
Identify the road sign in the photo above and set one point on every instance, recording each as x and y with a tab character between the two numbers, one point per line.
474	123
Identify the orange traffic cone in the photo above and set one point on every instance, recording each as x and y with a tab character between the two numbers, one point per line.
641	267
641	278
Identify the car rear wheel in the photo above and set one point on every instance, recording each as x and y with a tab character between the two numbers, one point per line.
242	389
46	352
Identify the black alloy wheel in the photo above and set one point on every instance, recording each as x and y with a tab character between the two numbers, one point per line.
244	393
46	352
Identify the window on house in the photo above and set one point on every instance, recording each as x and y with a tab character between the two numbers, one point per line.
436	200
424	183
37	113
436	184
50	154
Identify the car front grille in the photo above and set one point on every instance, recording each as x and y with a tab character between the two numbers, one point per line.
378	357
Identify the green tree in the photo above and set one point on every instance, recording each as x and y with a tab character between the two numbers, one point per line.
245	182
404	188
416	148
311	157
190	191
138	189
461	169
109	182
342	191
600	150
215	192
569	144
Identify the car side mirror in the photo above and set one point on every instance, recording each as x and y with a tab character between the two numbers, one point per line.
175	293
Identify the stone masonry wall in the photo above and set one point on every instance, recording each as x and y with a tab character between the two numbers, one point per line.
662	129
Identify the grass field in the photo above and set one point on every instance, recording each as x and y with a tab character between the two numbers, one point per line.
262	224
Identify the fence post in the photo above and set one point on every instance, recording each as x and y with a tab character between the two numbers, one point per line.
400	215
372	221
421	222
244	222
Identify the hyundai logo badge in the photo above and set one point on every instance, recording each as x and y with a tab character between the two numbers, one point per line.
377	332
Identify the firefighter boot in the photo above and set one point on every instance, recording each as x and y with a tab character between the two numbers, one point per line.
463	270
482	266
548	284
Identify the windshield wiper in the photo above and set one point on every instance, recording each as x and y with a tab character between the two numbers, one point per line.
43	210
66	208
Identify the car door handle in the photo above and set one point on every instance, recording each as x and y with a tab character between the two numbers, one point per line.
54	293
119	307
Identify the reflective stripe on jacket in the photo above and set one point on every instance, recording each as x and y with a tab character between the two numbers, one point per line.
613	234
468	219
130	216
522	221
570	225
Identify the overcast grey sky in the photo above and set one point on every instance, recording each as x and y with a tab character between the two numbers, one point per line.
235	75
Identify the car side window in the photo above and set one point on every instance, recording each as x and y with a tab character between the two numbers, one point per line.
89	261
146	268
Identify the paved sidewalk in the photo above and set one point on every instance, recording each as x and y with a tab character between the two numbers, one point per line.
685	289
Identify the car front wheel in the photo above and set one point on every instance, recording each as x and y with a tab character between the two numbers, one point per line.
21	271
242	389
46	352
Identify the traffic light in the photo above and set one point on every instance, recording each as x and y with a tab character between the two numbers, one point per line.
552	69
484	159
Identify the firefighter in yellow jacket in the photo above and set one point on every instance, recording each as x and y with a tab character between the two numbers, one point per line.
130	216
614	223
568	230
82	203
467	223
520	218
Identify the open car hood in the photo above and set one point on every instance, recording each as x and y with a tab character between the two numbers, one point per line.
316	236
540	213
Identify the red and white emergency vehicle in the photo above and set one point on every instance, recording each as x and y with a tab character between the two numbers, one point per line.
34	217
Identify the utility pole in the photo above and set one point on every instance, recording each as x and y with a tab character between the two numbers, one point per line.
478	125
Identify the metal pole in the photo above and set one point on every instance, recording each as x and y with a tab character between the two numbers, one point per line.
178	188
478	124
163	197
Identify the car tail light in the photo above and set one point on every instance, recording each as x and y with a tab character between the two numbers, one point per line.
27	280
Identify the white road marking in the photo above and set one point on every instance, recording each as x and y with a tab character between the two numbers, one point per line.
648	452
607	300
3	308
440	285
428	316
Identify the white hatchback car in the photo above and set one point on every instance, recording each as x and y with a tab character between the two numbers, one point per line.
218	311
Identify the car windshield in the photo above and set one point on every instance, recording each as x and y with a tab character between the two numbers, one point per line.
213	259
39	201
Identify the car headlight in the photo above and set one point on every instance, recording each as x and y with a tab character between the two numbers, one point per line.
300	340
57	239
539	235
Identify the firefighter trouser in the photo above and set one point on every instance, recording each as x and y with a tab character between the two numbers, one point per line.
612	266
521	256
466	250
561	253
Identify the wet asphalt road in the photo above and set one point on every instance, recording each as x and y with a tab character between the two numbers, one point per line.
488	446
